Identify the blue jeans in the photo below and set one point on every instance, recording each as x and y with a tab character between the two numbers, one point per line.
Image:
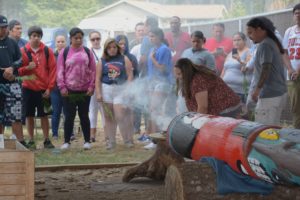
57	106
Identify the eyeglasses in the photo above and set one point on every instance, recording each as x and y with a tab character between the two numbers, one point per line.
95	39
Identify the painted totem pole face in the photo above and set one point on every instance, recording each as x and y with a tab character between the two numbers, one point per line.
275	156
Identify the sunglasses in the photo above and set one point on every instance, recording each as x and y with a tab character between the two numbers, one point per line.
95	39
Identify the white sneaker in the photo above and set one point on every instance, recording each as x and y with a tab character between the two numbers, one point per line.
65	146
87	146
150	146
13	137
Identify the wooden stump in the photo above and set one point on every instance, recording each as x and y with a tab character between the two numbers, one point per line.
197	181
189	181
156	166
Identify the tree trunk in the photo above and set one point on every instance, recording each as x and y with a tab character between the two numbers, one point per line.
156	166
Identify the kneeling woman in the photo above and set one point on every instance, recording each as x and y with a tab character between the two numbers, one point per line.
204	91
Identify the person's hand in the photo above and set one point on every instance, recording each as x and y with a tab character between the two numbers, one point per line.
236	57
8	73
99	98
294	75
255	95
244	69
64	93
31	65
152	55
46	94
90	92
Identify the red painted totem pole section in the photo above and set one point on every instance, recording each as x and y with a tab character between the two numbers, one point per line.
215	139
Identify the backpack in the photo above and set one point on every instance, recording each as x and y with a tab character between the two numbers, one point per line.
66	51
46	51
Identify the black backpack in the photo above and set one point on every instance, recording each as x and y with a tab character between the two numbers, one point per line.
46	51
66	51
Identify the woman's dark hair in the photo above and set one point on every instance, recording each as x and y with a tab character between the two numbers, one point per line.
35	29
130	56
267	25
123	37
94	31
296	7
160	34
242	35
189	70
74	31
109	41
152	22
199	35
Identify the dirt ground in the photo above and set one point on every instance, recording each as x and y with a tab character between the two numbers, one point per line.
104	184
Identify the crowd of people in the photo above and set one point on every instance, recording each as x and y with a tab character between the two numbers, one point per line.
156	75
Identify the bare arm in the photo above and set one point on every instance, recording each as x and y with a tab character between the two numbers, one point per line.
129	69
287	63
98	83
156	64
202	102
266	68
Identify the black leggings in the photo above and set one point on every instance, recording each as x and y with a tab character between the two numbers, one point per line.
71	105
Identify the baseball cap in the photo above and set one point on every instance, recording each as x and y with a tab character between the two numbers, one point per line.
3	21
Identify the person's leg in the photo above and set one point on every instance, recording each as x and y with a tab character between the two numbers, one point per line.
137	118
122	115
13	109
56	102
294	94
70	113
110	127
268	110
28	111
83	112
93	116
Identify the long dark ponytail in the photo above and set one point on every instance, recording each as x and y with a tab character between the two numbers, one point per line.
267	25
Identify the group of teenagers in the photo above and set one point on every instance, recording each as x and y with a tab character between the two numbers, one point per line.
178	72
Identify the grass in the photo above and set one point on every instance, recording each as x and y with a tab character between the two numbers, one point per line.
76	155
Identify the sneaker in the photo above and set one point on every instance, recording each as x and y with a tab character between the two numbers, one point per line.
150	146
48	144
55	137
13	137
93	139
87	146
129	144
65	146
72	137
144	138
110	145
31	145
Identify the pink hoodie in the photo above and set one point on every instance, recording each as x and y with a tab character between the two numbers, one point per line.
78	72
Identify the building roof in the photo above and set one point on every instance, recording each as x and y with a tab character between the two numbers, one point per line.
195	11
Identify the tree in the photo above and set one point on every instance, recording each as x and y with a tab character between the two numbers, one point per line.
57	13
238	9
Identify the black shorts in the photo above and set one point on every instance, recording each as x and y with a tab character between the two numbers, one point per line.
32	102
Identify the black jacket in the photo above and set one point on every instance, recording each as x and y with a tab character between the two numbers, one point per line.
10	56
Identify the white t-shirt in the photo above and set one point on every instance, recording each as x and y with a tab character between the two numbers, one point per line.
97	54
291	42
136	51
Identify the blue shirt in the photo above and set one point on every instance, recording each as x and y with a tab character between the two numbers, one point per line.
164	57
113	70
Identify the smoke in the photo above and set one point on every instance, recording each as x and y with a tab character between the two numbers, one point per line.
137	95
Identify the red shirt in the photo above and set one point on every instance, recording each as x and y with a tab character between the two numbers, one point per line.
45	72
220	96
212	44
177	48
